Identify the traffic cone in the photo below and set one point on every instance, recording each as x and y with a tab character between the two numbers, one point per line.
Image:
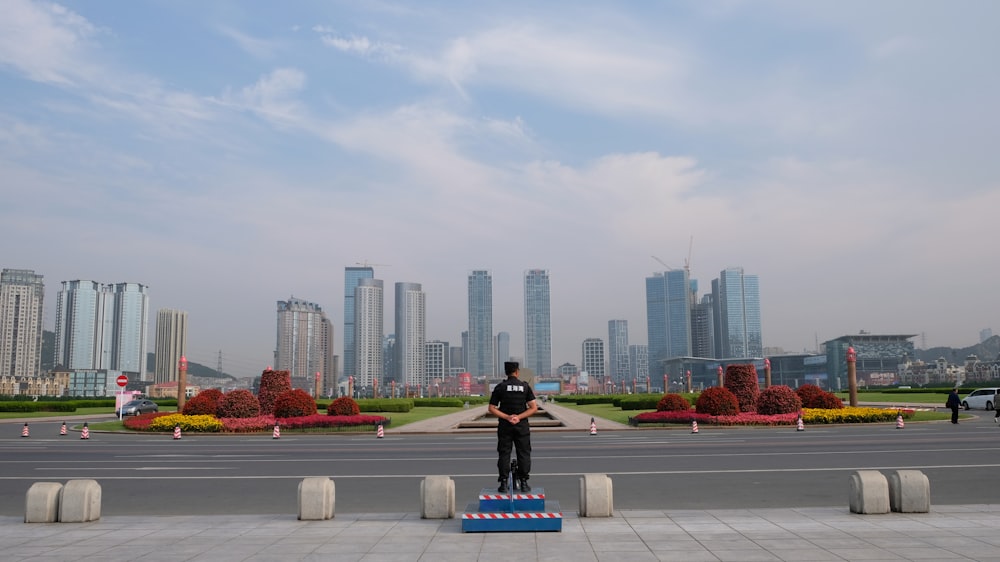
85	434
177	431
379	433
899	420
799	426
24	431
694	426
62	429
277	431
593	427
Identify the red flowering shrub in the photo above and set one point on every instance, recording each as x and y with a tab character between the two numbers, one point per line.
248	425
343	406
272	384
293	404
717	401
741	380
239	404
333	421
779	399
673	403
205	403
141	422
813	396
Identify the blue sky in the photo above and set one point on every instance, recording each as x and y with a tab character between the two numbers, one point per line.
232	154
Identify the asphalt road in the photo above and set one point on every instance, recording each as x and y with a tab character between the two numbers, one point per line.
733	468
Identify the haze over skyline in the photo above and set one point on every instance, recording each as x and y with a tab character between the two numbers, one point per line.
232	154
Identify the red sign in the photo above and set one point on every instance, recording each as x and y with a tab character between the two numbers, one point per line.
122	380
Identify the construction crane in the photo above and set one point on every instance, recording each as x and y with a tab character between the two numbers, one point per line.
663	263
366	263
687	261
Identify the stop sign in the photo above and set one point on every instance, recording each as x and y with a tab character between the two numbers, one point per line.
122	380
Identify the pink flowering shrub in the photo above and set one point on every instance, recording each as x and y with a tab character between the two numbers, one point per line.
741	380
672	403
248	425
779	399
294	403
717	401
272	384
319	420
239	404
343	406
813	396
205	403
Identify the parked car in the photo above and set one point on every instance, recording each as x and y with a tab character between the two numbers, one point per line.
981	398
138	407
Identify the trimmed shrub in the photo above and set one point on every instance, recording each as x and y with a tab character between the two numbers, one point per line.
673	403
717	401
203	424
780	399
638	402
205	403
813	396
239	404
438	402
343	406
741	380
272	384
385	405
294	403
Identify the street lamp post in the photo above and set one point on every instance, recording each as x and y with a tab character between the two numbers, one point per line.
719	375
852	375
182	371
767	373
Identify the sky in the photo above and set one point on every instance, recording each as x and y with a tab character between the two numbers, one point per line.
231	154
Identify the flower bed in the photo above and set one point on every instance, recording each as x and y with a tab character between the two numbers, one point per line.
809	416
210	424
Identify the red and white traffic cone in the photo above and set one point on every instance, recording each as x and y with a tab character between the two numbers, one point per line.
593	427
277	431
62	429
694	426
379	433
85	434
177	431
799	426
24	430
899	420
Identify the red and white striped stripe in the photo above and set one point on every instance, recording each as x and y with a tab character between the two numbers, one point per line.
507	515
515	496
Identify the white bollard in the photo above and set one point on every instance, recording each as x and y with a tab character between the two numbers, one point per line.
596	496
80	501
437	497
869	492
42	502
317	496
909	492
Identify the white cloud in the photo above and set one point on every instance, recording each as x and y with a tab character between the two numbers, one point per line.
259	48
273	96
46	42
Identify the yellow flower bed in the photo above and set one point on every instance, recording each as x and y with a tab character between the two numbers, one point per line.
848	414
187	423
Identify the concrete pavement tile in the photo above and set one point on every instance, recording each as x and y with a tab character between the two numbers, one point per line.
449	557
685	556
758	555
772	544
803	554
568	556
623	547
356	544
631	557
861	553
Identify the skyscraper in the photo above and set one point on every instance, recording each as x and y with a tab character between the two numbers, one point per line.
479	351
411	334
352	275
593	358
102	326
702	328
368	332
171	343
22	294
438	360
737	312
503	353
537	323
668	317
305	342
618	359
638	357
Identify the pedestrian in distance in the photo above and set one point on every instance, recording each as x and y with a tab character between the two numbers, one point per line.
513	402
954	402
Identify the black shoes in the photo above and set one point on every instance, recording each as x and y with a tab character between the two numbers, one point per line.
503	487
524	486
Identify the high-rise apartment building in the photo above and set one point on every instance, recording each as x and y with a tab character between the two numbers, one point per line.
537	323
618	359
352	275
668	317
503	353
593	358
368	333
479	350
736	299
411	334
702	331
305	342
102	326
437	359
171	343
638	357
22	293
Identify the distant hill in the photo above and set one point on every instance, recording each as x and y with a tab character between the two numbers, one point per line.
988	350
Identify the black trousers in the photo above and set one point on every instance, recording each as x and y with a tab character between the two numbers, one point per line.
954	414
514	437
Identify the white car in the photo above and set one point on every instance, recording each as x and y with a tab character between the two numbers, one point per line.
981	398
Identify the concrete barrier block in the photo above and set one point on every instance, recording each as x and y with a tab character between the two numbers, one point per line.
909	492
42	502
437	497
317	496
80	501
596	497
869	492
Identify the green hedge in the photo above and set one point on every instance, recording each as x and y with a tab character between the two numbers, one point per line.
639	402
39	406
385	405
439	402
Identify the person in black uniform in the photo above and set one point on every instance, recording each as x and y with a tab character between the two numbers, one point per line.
513	402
